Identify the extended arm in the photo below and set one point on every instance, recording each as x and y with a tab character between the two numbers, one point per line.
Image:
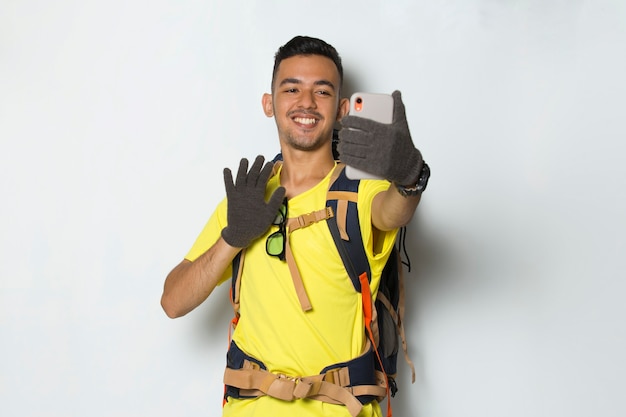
388	151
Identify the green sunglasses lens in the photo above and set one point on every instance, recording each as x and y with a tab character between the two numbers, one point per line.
275	244
281	215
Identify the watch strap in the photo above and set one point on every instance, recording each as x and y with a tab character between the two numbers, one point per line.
419	186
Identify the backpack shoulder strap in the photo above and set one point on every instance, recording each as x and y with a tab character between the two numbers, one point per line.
345	227
346	231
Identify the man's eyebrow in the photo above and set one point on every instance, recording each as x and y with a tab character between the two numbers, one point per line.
298	81
326	83
290	81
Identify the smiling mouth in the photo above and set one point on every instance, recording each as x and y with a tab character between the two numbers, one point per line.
305	121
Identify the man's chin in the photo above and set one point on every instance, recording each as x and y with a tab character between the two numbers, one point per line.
308	144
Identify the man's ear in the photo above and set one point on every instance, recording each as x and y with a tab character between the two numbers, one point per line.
344	107
268	105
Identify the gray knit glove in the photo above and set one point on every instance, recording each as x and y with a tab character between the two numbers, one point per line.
249	215
385	150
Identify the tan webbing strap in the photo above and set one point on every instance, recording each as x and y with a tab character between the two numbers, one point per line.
276	167
339	376
259	379
326	390
377	390
398	319
235	297
399	329
342	197
305	220
401	320
293	224
336	171
298	284
342	216
254	381
383	299
374	327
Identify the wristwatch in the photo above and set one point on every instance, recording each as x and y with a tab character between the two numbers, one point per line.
419	186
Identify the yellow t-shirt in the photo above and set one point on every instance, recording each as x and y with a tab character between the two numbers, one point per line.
273	328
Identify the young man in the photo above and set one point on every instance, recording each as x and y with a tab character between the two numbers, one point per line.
299	312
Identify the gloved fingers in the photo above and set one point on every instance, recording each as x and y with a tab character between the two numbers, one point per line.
242	173
360	123
354	153
255	170
266	173
228	180
355	161
399	112
276	200
353	150
356	137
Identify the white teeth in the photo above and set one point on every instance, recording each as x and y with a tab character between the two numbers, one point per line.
304	121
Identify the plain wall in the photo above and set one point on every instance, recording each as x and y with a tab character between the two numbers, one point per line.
117	118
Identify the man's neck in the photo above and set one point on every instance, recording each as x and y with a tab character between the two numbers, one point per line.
302	170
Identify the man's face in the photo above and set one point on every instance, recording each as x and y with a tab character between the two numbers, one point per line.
305	101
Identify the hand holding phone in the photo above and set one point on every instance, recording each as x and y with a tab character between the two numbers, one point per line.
373	106
381	147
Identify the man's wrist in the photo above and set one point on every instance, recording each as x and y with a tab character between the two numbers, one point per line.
418	186
233	239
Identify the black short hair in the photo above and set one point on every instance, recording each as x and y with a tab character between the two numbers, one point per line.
305	45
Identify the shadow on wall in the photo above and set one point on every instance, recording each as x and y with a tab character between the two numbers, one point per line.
434	271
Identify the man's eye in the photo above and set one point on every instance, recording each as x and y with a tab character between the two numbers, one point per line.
324	92
291	90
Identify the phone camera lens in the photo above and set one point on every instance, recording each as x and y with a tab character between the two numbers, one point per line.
359	100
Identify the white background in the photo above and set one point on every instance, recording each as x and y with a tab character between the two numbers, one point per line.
117	118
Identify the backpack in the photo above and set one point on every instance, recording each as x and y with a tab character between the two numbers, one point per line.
383	318
386	321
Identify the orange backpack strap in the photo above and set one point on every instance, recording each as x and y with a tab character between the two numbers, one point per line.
369	313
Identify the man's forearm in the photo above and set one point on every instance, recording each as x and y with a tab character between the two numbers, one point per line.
190	283
391	210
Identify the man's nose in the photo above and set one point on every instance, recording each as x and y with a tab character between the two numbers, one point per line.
307	100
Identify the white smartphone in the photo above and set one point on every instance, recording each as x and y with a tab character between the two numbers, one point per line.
377	107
